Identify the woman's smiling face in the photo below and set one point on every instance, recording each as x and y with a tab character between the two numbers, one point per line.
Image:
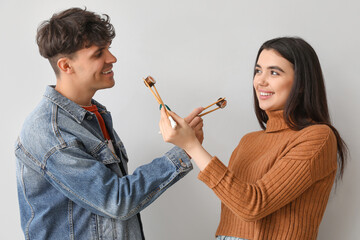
273	79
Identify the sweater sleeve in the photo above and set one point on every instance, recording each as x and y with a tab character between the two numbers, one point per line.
306	160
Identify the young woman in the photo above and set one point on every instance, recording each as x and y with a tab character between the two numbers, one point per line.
279	179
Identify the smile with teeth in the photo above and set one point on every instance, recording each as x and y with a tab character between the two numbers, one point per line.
107	72
266	93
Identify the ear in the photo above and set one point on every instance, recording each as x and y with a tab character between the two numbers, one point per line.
64	65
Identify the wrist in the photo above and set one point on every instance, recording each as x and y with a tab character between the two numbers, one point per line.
193	146
201	157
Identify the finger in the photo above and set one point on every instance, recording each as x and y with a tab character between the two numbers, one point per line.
164	121
163	131
163	113
164	125
193	114
198	126
195	122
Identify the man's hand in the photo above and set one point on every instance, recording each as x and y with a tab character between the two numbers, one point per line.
196	123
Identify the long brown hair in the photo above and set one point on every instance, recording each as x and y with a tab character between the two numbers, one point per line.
307	104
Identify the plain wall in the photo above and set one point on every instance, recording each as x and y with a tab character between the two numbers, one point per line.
198	51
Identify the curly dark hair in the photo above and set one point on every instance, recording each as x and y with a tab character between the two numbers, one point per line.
71	30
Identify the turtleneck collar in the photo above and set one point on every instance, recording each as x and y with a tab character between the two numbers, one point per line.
276	121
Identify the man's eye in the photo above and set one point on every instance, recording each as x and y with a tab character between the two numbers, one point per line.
274	73
257	71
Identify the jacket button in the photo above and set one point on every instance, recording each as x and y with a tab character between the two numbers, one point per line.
182	163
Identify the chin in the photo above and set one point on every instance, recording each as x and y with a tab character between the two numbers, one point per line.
265	108
110	84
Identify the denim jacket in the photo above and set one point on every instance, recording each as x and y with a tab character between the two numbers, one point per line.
72	186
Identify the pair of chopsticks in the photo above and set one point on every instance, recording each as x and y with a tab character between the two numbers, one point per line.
221	103
150	82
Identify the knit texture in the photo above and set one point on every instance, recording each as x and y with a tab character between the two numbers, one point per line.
277	184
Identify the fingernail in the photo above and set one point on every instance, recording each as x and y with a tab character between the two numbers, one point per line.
165	106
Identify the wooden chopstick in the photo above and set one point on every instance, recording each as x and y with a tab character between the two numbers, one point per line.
214	103
203	114
157	97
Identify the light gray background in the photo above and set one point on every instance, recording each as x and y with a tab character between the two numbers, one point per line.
197	50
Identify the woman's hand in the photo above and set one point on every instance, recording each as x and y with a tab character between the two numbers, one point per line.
182	135
196	123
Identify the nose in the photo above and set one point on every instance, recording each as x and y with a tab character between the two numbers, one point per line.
260	80
110	58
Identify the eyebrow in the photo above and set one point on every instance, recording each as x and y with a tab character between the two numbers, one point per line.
272	67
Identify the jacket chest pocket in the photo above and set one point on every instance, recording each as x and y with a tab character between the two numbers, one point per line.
109	158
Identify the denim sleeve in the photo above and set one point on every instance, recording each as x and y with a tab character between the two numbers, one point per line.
93	186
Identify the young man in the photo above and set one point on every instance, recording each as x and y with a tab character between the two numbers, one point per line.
71	165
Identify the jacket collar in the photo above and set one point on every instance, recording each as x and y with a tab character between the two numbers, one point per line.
75	110
276	121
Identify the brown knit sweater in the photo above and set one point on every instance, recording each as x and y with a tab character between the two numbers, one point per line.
277	183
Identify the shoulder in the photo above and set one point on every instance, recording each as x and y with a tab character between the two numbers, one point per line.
320	133
38	120
38	134
311	143
314	138
318	143
319	128
321	140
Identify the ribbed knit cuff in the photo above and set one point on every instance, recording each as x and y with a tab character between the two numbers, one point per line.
213	173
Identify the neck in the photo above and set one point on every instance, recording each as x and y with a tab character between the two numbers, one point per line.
76	94
276	121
